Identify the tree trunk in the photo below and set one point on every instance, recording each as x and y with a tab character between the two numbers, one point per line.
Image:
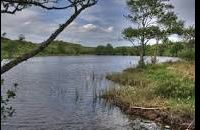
142	54
155	52
43	45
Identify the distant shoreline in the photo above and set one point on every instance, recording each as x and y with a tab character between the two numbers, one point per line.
15	48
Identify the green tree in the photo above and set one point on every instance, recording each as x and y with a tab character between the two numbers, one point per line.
142	13
109	49
4	34
6	110
21	37
99	49
121	50
189	36
161	49
189	33
149	15
176	47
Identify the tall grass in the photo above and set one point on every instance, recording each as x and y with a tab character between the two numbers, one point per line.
168	85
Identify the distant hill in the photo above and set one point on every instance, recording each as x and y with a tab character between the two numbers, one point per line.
14	48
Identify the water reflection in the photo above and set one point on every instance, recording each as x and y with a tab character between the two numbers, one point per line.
62	93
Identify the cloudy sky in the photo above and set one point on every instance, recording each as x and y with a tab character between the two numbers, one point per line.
100	24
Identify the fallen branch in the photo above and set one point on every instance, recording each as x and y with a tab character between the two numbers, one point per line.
190	125
147	108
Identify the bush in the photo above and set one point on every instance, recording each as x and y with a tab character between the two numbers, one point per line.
182	89
154	60
6	109
188	54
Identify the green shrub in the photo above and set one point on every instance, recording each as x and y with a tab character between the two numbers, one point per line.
6	109
182	89
188	54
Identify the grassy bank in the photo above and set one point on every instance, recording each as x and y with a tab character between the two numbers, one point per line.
167	89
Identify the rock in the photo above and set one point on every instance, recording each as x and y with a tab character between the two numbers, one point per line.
167	127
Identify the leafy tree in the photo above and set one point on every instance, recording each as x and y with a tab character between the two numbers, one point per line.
189	33
4	34
109	49
13	6
21	37
121	50
154	19
176	47
189	36
6	110
104	50
187	54
161	49
99	50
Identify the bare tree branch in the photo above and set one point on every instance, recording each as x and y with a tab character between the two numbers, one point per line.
146	41
44	44
9	6
132	41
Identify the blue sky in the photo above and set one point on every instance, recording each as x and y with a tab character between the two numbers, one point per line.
97	25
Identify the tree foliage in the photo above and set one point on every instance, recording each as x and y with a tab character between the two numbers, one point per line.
4	34
66	48
189	34
104	50
155	19
177	47
21	37
7	110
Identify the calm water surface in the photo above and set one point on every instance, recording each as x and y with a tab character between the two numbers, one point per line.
61	93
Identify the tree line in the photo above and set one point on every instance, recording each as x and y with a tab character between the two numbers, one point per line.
13	48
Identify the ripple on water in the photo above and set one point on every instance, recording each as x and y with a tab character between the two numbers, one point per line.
60	93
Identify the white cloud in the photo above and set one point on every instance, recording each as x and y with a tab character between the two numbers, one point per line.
109	29
89	27
96	25
174	38
78	28
33	24
28	22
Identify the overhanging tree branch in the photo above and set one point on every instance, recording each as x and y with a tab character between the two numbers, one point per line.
12	6
44	44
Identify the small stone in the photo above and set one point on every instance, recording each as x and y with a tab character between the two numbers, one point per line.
167	126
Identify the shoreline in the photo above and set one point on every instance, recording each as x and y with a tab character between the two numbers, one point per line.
134	96
176	122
